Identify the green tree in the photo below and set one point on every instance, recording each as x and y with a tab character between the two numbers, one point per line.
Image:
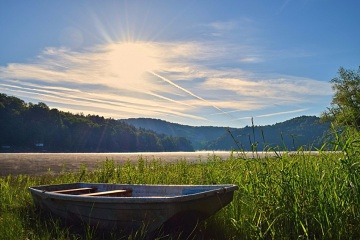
345	105
12	130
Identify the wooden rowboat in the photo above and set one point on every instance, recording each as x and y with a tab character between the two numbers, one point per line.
131	207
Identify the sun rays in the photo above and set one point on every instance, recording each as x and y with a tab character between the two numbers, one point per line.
154	79
131	60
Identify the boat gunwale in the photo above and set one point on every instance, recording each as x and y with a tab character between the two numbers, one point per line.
218	189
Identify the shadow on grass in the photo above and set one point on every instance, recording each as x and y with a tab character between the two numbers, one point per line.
44	225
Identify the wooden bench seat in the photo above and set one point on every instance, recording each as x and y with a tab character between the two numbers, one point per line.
113	193
75	191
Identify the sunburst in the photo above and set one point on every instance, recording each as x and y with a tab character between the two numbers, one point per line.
130	60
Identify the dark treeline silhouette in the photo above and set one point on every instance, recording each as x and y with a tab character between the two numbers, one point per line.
28	127
306	132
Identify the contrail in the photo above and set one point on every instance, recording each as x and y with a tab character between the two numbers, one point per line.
168	99
187	91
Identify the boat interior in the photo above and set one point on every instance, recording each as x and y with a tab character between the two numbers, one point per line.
132	190
93	191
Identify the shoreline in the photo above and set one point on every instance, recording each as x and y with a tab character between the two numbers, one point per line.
40	163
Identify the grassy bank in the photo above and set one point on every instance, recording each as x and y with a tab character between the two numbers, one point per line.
297	196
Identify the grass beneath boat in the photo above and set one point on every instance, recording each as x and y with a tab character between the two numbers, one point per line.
292	196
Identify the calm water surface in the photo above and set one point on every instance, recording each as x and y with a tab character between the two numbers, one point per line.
40	163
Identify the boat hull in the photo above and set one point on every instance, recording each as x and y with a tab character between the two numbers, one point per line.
150	206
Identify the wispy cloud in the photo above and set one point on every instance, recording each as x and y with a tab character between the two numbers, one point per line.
244	25
282	113
90	81
219	29
276	88
108	104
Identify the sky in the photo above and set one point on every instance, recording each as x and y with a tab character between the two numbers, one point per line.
198	63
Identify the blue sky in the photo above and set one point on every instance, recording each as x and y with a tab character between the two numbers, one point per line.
198	63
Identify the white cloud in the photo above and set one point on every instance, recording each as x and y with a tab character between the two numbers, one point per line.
223	29
223	26
109	104
282	113
190	78
251	59
284	88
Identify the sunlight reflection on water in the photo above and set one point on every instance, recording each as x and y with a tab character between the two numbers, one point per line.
40	163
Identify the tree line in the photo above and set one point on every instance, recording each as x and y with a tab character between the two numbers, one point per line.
305	132
28	127
345	105
34	127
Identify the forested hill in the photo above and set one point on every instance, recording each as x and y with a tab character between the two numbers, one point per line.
28	127
305	131
199	136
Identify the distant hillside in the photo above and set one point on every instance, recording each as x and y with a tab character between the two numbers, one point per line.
305	131
28	127
198	136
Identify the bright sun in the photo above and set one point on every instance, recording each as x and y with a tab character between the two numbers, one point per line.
130	60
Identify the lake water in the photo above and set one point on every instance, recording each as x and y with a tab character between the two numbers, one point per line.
40	163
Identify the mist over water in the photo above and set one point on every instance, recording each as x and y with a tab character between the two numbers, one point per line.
53	163
40	163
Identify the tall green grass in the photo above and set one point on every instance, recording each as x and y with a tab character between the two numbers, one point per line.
290	196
